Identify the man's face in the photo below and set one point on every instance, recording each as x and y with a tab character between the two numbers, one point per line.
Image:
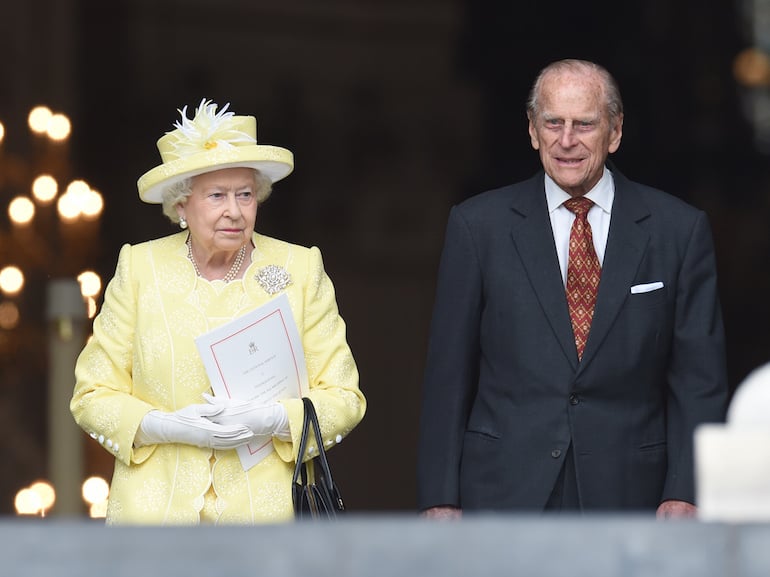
572	130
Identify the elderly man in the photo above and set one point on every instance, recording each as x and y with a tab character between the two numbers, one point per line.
577	336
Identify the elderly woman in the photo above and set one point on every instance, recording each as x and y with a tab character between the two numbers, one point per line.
141	387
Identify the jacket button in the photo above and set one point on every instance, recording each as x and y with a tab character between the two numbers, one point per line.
573	399
556	453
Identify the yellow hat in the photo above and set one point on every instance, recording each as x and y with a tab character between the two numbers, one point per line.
211	141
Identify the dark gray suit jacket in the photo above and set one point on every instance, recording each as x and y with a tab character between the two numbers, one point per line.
504	395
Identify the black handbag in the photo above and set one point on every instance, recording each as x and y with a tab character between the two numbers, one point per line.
314	493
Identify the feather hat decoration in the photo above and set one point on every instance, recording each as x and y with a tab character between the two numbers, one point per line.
211	140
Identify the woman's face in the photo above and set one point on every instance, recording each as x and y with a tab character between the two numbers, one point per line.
222	209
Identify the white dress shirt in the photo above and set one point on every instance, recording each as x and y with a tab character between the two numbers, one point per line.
602	195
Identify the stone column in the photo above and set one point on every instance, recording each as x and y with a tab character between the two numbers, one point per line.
66	317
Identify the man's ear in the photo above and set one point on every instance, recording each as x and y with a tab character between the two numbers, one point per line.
533	134
616	134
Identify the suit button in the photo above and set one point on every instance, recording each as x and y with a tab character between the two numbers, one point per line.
556	453
573	399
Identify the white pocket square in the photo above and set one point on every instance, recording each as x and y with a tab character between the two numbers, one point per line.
646	287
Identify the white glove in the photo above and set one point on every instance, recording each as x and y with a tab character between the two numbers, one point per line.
191	426
263	419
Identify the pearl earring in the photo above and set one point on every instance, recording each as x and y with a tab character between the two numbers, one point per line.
182	223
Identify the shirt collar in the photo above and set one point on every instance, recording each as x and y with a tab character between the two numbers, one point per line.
602	194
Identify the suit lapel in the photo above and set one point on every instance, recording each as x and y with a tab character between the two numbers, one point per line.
626	244
533	238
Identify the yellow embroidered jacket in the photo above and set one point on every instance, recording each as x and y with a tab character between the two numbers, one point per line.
143	356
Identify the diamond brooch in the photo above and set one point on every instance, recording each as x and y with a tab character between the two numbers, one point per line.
273	278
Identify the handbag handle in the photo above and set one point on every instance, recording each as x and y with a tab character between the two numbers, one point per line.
300	470
310	409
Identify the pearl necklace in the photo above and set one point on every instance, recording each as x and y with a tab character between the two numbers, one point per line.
234	269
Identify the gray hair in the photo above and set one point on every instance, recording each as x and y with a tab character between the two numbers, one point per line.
179	191
610	87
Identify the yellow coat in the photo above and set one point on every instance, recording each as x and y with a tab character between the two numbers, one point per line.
143	356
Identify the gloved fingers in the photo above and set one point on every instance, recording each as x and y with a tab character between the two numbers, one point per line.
235	437
223	430
220	437
259	418
241	432
226	403
181	427
203	422
237	411
198	411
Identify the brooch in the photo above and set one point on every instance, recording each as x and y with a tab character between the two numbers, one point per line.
273	278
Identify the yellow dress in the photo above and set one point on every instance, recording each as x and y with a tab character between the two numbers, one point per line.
142	356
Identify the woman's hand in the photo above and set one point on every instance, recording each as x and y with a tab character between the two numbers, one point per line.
263	419
191	426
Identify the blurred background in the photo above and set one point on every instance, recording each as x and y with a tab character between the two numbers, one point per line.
395	110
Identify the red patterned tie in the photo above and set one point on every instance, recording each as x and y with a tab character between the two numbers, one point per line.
583	272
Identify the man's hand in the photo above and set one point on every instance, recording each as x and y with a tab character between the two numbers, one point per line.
443	513
676	510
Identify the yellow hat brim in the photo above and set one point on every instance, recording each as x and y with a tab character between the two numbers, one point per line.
272	161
